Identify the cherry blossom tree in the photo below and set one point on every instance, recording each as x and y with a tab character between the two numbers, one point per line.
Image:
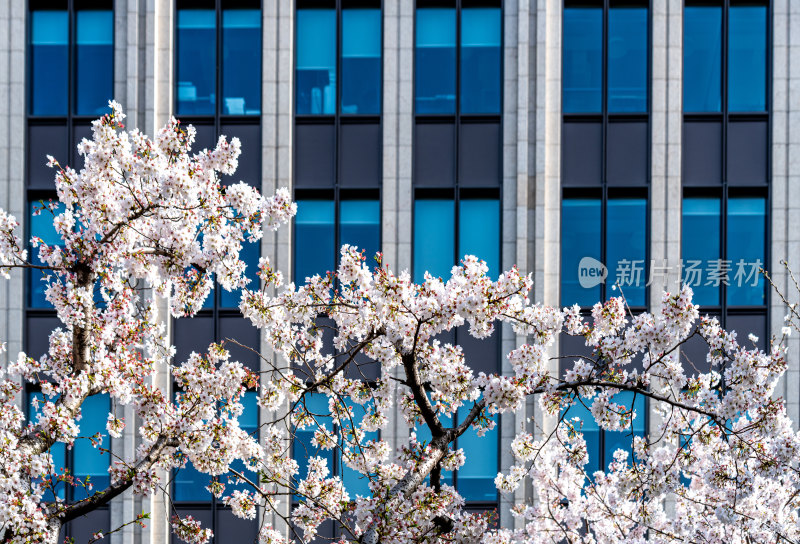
146	221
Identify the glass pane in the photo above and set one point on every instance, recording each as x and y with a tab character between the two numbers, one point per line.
699	253
583	60
746	252
197	61
623	440
241	62
190	484
87	460
702	58
57	450
94	56
251	251
479	231
480	60
355	482
316	61
248	421
317	405
314	244
747	58
434	239
626	224
581	269
476	477
49	62
627	59
41	226
361	61
435	61
591	432
360	226
424	436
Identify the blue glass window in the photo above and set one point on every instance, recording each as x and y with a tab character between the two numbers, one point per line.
745	248
317	405
241	61
94	61
41	226
355	482
626	225
57	450
434	239
700	215
49	62
361	61
747	58
480	60
314	239
580	238
360	226
89	463
197	60
248	421
435	70
583	60
591	432
627	59
250	254
316	61
622	440
424	437
476	477
702	58
479	231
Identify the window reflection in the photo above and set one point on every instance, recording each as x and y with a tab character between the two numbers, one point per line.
57	450
434	237
241	61
623	440
476	478
197	53
747	58
627	59
49	62
250	254
479	231
745	247
435	62
580	238
626	227
583	60
41	226
700	215
314	239
94	58
361	61
702	58
480	60
89	463
591	432
359	225
316	61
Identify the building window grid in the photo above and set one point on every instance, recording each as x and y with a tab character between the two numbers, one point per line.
601	190
457	193
723	191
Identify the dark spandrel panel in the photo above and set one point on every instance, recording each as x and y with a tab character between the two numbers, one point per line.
479	155
327	327
434	160
249	170
37	334
582	154
572	348
196	59
205	136
203	515
627	153
81	529
45	140
234	329
49	63
192	334
363	369
693	354
80	130
702	153
479	355
360	155
747	152
94	60
744	325
314	155
234	529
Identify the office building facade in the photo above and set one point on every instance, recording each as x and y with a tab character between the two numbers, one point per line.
589	142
